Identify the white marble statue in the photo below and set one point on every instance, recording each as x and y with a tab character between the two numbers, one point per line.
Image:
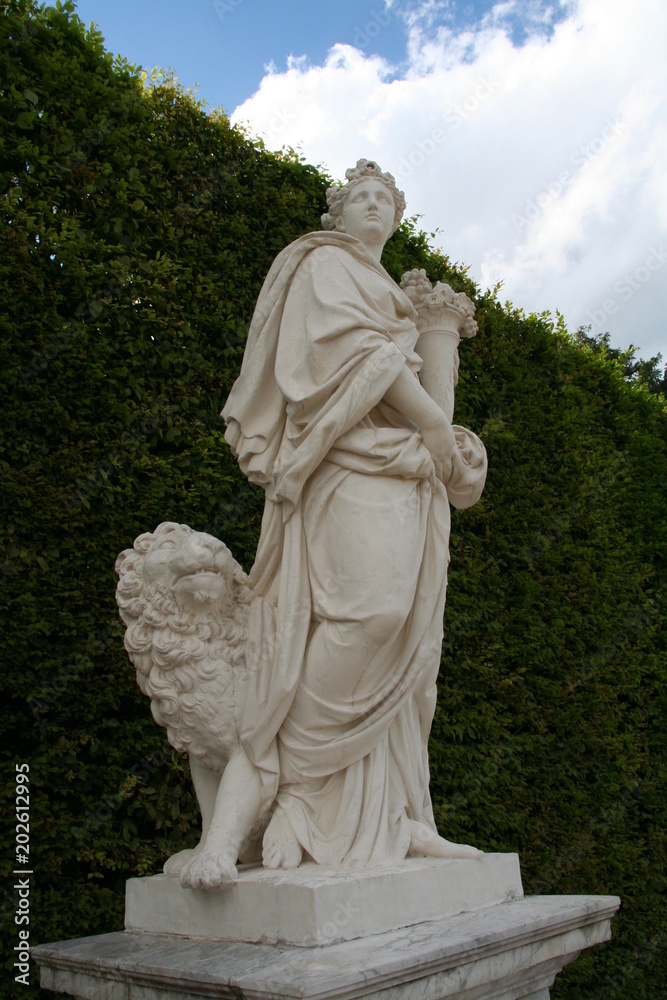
304	693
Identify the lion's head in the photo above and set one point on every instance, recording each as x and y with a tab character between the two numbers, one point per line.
195	569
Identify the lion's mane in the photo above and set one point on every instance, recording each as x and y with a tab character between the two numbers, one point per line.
191	665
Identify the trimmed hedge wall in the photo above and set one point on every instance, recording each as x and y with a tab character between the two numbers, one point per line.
138	229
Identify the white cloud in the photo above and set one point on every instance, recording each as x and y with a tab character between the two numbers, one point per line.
543	164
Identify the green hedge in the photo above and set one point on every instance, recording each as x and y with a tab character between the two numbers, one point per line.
138	229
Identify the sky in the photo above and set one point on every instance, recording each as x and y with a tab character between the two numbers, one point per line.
529	136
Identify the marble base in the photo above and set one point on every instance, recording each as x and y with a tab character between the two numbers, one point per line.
511	951
316	906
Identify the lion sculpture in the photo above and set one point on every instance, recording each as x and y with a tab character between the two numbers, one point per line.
185	602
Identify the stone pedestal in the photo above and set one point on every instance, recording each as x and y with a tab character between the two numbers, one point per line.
390	933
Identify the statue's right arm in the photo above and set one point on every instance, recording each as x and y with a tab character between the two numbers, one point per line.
408	397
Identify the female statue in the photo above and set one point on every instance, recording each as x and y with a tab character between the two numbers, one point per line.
356	459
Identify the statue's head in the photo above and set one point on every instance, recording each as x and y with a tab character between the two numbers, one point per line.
365	170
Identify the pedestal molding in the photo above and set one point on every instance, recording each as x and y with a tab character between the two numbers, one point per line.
505	952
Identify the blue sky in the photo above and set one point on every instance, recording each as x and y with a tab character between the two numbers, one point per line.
223	46
529	135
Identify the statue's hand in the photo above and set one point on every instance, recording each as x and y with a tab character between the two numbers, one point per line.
438	437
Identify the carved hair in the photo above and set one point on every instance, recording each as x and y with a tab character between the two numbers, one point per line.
337	196
182	660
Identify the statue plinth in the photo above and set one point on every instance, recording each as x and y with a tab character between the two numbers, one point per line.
314	906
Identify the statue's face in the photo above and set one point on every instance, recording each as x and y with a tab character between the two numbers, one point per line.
369	212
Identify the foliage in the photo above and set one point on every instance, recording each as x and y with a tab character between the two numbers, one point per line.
648	372
549	735
138	229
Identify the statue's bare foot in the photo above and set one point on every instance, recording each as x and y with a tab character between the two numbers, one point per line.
281	848
173	865
250	851
425	843
208	869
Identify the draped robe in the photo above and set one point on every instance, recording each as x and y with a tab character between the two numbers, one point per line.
345	630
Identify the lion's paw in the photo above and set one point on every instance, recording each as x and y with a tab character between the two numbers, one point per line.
175	863
207	870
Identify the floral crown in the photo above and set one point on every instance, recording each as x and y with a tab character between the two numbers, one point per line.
337	196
